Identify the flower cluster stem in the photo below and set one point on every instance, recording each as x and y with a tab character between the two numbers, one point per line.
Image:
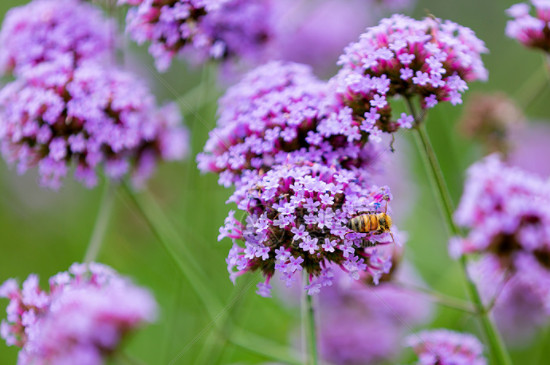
496	345
175	247
101	222
311	330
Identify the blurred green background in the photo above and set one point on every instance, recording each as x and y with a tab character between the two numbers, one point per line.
44	231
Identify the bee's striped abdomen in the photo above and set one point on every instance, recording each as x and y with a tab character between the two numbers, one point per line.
364	223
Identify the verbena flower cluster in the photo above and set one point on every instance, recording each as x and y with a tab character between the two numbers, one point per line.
85	117
277	109
531	31
47	32
281	130
68	108
217	29
296	221
428	58
508	213
83	318
365	325
444	347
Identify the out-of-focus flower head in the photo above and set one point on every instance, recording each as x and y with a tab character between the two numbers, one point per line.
531	31
216	29
445	347
277	109
312	31
61	117
492	119
363	324
427	59
521	299
82	319
296	217
507	211
46	32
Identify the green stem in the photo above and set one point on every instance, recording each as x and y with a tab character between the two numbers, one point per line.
311	331
253	343
496	345
101	222
172	243
440	298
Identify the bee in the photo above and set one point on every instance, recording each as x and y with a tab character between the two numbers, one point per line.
372	222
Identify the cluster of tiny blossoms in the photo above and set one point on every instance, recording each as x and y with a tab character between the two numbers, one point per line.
215	29
296	216
277	109
83	318
531	31
46	32
444	347
88	116
427	58
67	107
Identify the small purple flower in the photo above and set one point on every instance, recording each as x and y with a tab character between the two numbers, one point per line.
445	347
209	29
47	32
531	31
293	245
402	56
84	317
85	117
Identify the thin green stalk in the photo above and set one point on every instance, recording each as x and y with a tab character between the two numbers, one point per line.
101	222
171	241
260	346
496	345
310	329
439	298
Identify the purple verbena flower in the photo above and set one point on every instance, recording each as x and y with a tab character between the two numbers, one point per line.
445	347
428	58
84	117
82	319
50	31
217	29
531	31
364	324
277	109
274	237
507	211
521	299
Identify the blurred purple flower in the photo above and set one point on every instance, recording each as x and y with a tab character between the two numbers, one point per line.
508	213
521	300
217	29
58	115
51	31
445	347
407	57
83	319
531	31
277	109
289	218
364	324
